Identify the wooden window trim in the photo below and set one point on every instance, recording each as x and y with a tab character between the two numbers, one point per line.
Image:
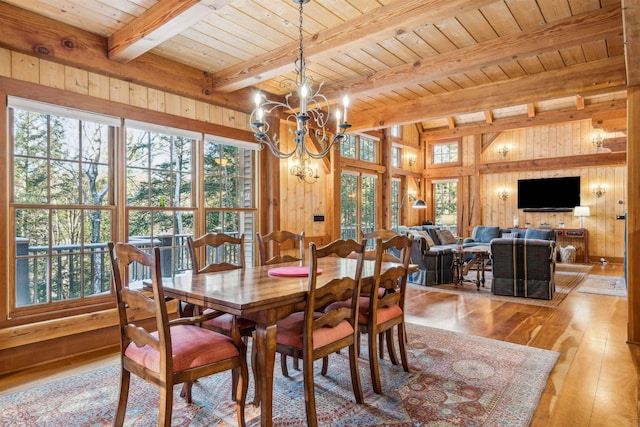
430	146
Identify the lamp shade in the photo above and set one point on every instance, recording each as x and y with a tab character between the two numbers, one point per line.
448	219
419	204
581	211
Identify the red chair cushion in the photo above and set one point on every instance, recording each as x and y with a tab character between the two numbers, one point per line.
192	346
225	321
384	314
290	331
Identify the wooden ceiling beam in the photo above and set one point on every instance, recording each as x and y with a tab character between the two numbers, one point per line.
36	35
381	23
631	25
581	78
565	33
564	162
158	24
516	122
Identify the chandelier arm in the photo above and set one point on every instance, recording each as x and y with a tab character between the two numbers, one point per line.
273	147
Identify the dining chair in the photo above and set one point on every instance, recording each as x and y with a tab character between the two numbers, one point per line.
370	254
207	256
266	245
314	334
383	308
382	233
213	252
179	351
277	238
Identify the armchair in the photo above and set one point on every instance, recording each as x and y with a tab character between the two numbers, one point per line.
523	267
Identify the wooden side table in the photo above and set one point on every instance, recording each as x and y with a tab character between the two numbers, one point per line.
461	268
574	235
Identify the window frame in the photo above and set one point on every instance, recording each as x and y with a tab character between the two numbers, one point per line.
432	144
51	307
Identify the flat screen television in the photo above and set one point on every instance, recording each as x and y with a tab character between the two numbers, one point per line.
549	194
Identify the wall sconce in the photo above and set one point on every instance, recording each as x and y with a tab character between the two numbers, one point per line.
412	159
503	195
597	139
599	190
503	150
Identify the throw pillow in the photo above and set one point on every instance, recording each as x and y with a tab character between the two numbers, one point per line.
446	237
509	235
427	237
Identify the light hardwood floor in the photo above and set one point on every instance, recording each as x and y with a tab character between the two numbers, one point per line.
594	383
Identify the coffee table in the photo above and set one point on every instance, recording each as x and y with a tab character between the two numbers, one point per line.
482	254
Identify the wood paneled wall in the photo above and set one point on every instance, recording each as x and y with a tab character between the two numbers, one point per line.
606	233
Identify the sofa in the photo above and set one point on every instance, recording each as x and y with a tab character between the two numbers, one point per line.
523	267
433	258
432	249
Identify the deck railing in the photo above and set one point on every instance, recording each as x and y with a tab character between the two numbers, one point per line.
62	272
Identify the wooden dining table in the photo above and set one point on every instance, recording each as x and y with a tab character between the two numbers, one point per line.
263	298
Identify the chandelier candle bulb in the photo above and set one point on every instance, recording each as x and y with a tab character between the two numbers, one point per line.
303	99
337	121
345	103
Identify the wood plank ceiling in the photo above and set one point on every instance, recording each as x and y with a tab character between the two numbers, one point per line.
437	63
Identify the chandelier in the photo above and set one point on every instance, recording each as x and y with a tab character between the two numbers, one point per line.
311	117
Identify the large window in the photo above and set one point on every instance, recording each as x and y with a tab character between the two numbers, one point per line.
358	202
62	206
67	201
229	193
445	195
160	193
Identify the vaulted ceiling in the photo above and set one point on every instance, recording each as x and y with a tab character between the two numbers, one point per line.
442	64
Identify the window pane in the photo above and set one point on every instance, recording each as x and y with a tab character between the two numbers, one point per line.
72	265
395	191
367	150
348	147
348	220
395	157
368	203
30	179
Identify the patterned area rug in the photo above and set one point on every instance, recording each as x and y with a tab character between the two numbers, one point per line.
604	285
568	276
455	380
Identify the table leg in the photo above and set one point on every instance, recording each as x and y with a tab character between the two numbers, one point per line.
266	354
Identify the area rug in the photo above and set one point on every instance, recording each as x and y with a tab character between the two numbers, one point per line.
604	285
455	380
568	276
